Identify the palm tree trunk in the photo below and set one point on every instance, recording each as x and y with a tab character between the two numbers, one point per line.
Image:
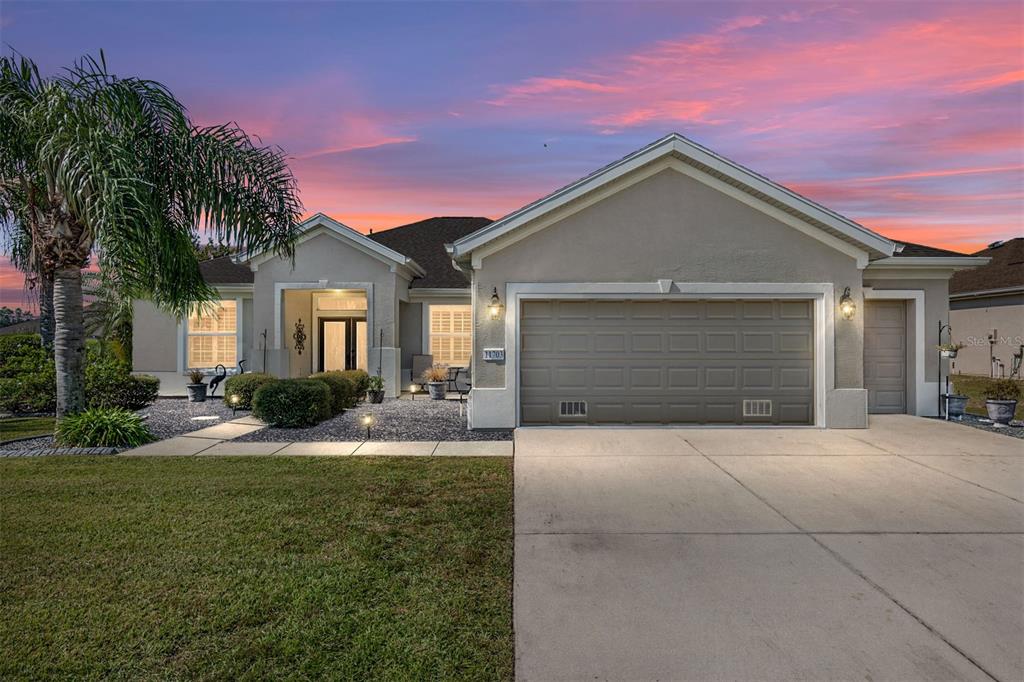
69	341
46	310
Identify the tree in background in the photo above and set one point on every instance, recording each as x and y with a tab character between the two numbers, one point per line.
9	317
113	168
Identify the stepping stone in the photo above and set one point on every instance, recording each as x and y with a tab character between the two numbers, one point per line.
178	446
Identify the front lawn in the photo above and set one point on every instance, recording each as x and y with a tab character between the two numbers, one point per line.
269	568
974	387
24	427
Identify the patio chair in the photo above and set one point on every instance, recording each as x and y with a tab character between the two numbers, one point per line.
421	363
461	386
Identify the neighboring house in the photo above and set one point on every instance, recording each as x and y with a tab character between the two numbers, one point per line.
343	290
672	286
987	304
23	327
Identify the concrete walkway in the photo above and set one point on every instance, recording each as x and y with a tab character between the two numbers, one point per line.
217	441
895	552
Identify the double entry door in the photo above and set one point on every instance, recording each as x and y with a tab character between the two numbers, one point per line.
342	343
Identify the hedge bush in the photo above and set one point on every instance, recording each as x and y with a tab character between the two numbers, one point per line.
343	389
245	387
361	380
20	354
103	427
109	382
293	402
30	391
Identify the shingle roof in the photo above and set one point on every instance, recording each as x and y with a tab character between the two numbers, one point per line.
1006	271
911	250
424	242
223	270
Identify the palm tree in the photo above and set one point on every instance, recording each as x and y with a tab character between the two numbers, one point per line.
109	315
113	168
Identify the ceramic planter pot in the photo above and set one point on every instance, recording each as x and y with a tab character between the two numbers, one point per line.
948	354
436	389
196	392
1001	411
956	405
376	397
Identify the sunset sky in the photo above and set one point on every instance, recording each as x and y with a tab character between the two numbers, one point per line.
905	116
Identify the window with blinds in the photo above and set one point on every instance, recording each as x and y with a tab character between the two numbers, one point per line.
213	336
451	334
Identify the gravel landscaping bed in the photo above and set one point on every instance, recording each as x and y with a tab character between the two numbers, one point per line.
169	417
166	418
422	419
1015	430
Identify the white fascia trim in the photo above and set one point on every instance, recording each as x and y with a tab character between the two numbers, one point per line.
322	224
952	262
672	144
917	296
986	292
823	295
281	287
233	289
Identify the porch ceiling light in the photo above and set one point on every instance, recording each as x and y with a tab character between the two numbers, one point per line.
846	305
495	308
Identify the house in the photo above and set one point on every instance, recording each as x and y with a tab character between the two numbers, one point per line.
670	287
347	301
986	310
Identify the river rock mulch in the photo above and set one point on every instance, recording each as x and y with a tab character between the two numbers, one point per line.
1014	430
394	420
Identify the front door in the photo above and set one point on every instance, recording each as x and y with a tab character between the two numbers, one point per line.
342	344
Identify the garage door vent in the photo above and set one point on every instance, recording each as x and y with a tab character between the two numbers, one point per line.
757	408
572	408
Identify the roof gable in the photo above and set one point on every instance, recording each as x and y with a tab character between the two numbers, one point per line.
322	224
688	157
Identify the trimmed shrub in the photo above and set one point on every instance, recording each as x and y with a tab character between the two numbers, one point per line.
361	380
30	391
110	383
21	354
245	387
343	390
103	428
293	402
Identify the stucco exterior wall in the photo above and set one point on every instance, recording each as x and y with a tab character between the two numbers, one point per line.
339	265
668	226
154	339
972	325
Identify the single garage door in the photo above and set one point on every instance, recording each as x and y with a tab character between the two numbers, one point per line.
885	356
665	362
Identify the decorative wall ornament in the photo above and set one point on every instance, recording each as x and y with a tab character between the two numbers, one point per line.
299	336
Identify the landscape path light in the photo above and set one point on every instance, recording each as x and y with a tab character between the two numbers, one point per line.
367	420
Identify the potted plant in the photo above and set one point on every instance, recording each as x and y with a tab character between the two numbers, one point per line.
956	404
1001	400
196	388
436	378
375	389
949	350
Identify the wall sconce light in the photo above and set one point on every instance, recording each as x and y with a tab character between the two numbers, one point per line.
367	420
846	305
495	307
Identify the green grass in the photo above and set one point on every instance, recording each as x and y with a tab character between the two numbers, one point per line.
973	387
252	568
23	427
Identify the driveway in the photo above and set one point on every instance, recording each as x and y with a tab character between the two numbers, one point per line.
895	552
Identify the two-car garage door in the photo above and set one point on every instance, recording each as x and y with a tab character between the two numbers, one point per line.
666	361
